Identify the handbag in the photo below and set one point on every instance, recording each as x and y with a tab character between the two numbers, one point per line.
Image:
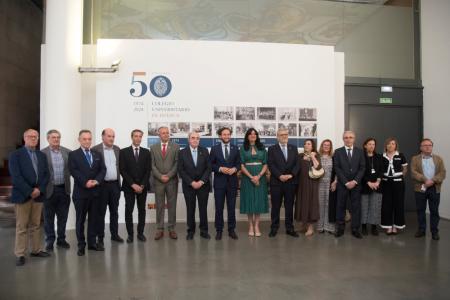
315	173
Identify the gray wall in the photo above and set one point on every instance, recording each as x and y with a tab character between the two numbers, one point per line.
20	48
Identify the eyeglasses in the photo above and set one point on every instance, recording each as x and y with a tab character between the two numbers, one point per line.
32	136
427	145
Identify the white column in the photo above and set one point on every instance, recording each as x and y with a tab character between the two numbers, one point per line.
60	80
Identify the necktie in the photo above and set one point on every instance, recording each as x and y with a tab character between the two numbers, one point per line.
89	157
136	154
163	150
194	156
349	154
227	154
34	161
284	152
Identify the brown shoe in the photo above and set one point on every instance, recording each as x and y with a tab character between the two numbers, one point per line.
173	235
159	235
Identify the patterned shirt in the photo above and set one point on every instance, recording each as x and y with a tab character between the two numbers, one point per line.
58	166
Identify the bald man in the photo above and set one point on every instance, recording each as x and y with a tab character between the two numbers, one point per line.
110	193
29	172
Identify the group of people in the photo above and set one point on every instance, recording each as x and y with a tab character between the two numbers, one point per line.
315	187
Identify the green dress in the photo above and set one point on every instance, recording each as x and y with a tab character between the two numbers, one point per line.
254	199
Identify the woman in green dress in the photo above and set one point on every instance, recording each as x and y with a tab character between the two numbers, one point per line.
254	200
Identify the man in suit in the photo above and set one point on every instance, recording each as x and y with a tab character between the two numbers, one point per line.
195	170
88	171
29	172
349	164
165	181
135	166
57	200
284	166
110	191
428	172
225	163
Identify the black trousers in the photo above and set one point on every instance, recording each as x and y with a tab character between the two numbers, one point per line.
433	198
110	195
355	206
279	193
191	196
86	207
57	205
393	204
130	199
220	194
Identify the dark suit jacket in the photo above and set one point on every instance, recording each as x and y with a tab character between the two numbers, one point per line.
135	172
81	172
65	154
24	177
217	160
278	165
189	172
349	170
116	149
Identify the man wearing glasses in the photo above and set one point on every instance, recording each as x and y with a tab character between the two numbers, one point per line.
428	173
29	172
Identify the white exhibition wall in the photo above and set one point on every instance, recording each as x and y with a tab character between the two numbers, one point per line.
204	75
435	40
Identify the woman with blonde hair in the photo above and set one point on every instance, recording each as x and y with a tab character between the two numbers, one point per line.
326	184
394	169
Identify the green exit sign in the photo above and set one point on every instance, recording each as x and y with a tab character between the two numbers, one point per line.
385	100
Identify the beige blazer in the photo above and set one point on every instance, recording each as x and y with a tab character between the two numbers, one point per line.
417	172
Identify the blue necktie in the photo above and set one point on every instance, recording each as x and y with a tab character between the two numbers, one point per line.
89	157
194	156
34	161
284	152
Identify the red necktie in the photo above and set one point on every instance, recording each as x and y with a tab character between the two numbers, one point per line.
164	150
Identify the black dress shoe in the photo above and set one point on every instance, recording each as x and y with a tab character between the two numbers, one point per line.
117	238
273	233
292	233
339	233
20	261
141	237
357	234
205	235
374	230
63	244
364	229
80	252
190	236
95	248
233	235
218	235
419	234
49	248
435	236
130	239
40	254
100	246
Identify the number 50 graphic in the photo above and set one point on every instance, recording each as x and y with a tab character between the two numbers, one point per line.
160	86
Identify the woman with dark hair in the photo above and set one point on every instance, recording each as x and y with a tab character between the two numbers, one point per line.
327	185
254	199
394	169
371	192
307	204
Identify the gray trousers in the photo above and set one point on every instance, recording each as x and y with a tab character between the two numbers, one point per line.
169	192
371	208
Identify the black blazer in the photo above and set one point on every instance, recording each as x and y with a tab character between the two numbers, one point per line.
81	172
135	172
349	170
279	166
189	172
217	160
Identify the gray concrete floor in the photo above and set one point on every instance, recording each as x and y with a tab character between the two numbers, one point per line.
321	267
